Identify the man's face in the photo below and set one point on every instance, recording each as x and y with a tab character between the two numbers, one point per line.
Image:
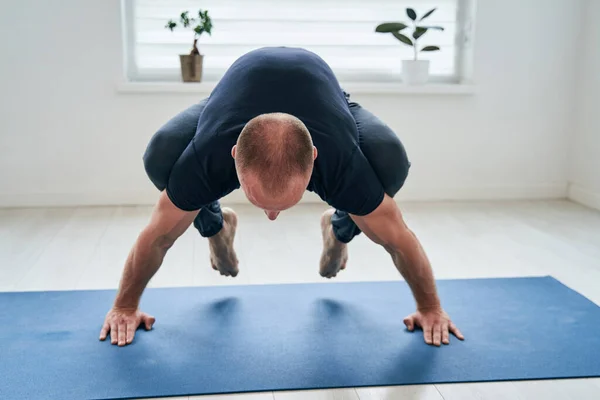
272	215
270	206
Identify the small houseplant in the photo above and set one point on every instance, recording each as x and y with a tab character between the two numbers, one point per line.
191	64
415	71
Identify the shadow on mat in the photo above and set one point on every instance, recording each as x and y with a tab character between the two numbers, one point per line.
333	313
221	313
213	320
343	334
224	307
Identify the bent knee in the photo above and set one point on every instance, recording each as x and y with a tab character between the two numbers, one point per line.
169	142
156	165
392	167
382	148
388	158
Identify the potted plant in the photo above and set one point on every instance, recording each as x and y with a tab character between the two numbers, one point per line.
191	64
415	71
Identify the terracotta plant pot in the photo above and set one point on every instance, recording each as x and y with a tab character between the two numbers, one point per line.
191	67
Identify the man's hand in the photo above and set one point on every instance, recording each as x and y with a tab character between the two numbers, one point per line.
386	226
166	225
436	326
122	324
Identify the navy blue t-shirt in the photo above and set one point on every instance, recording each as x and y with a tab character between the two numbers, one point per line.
286	80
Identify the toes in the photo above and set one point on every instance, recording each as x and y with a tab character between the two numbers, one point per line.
233	273
327	275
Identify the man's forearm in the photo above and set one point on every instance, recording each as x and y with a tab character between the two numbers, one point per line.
386	227
411	261
142	263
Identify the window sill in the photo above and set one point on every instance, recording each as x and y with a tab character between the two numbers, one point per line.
352	88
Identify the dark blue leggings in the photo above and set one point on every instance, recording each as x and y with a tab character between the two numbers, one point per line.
380	145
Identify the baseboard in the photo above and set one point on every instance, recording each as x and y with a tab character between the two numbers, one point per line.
581	195
409	193
483	192
74	199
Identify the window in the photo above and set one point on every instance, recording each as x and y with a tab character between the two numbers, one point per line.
340	31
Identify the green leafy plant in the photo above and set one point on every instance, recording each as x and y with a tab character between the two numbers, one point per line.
200	25
418	30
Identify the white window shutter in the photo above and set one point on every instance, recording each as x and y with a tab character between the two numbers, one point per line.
340	31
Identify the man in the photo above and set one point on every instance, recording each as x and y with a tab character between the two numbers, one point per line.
277	124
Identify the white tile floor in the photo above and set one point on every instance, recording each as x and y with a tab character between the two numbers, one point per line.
84	248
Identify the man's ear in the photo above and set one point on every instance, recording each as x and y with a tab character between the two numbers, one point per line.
233	151
315	152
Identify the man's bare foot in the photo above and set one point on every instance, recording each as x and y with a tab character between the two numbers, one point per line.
335	253
222	254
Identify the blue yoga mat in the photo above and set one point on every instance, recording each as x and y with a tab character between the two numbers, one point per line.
282	337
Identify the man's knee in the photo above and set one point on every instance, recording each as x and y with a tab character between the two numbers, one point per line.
169	142
384	150
392	166
157	166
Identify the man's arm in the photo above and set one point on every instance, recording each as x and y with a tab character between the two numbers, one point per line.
166	225
385	226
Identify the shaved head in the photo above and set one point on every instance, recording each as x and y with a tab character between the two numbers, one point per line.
274	158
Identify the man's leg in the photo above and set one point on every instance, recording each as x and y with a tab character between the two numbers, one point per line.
169	142
163	151
387	156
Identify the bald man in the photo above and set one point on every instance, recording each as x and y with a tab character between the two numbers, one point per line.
276	125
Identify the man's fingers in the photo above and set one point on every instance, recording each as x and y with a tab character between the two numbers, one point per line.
131	327
122	333
437	334
114	331
408	321
445	335
148	322
104	331
456	331
427	334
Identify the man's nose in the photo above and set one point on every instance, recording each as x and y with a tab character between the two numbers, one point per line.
272	215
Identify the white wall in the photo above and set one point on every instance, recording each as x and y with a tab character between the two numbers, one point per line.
585	161
68	137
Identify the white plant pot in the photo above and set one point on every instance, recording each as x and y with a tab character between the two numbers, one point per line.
415	72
